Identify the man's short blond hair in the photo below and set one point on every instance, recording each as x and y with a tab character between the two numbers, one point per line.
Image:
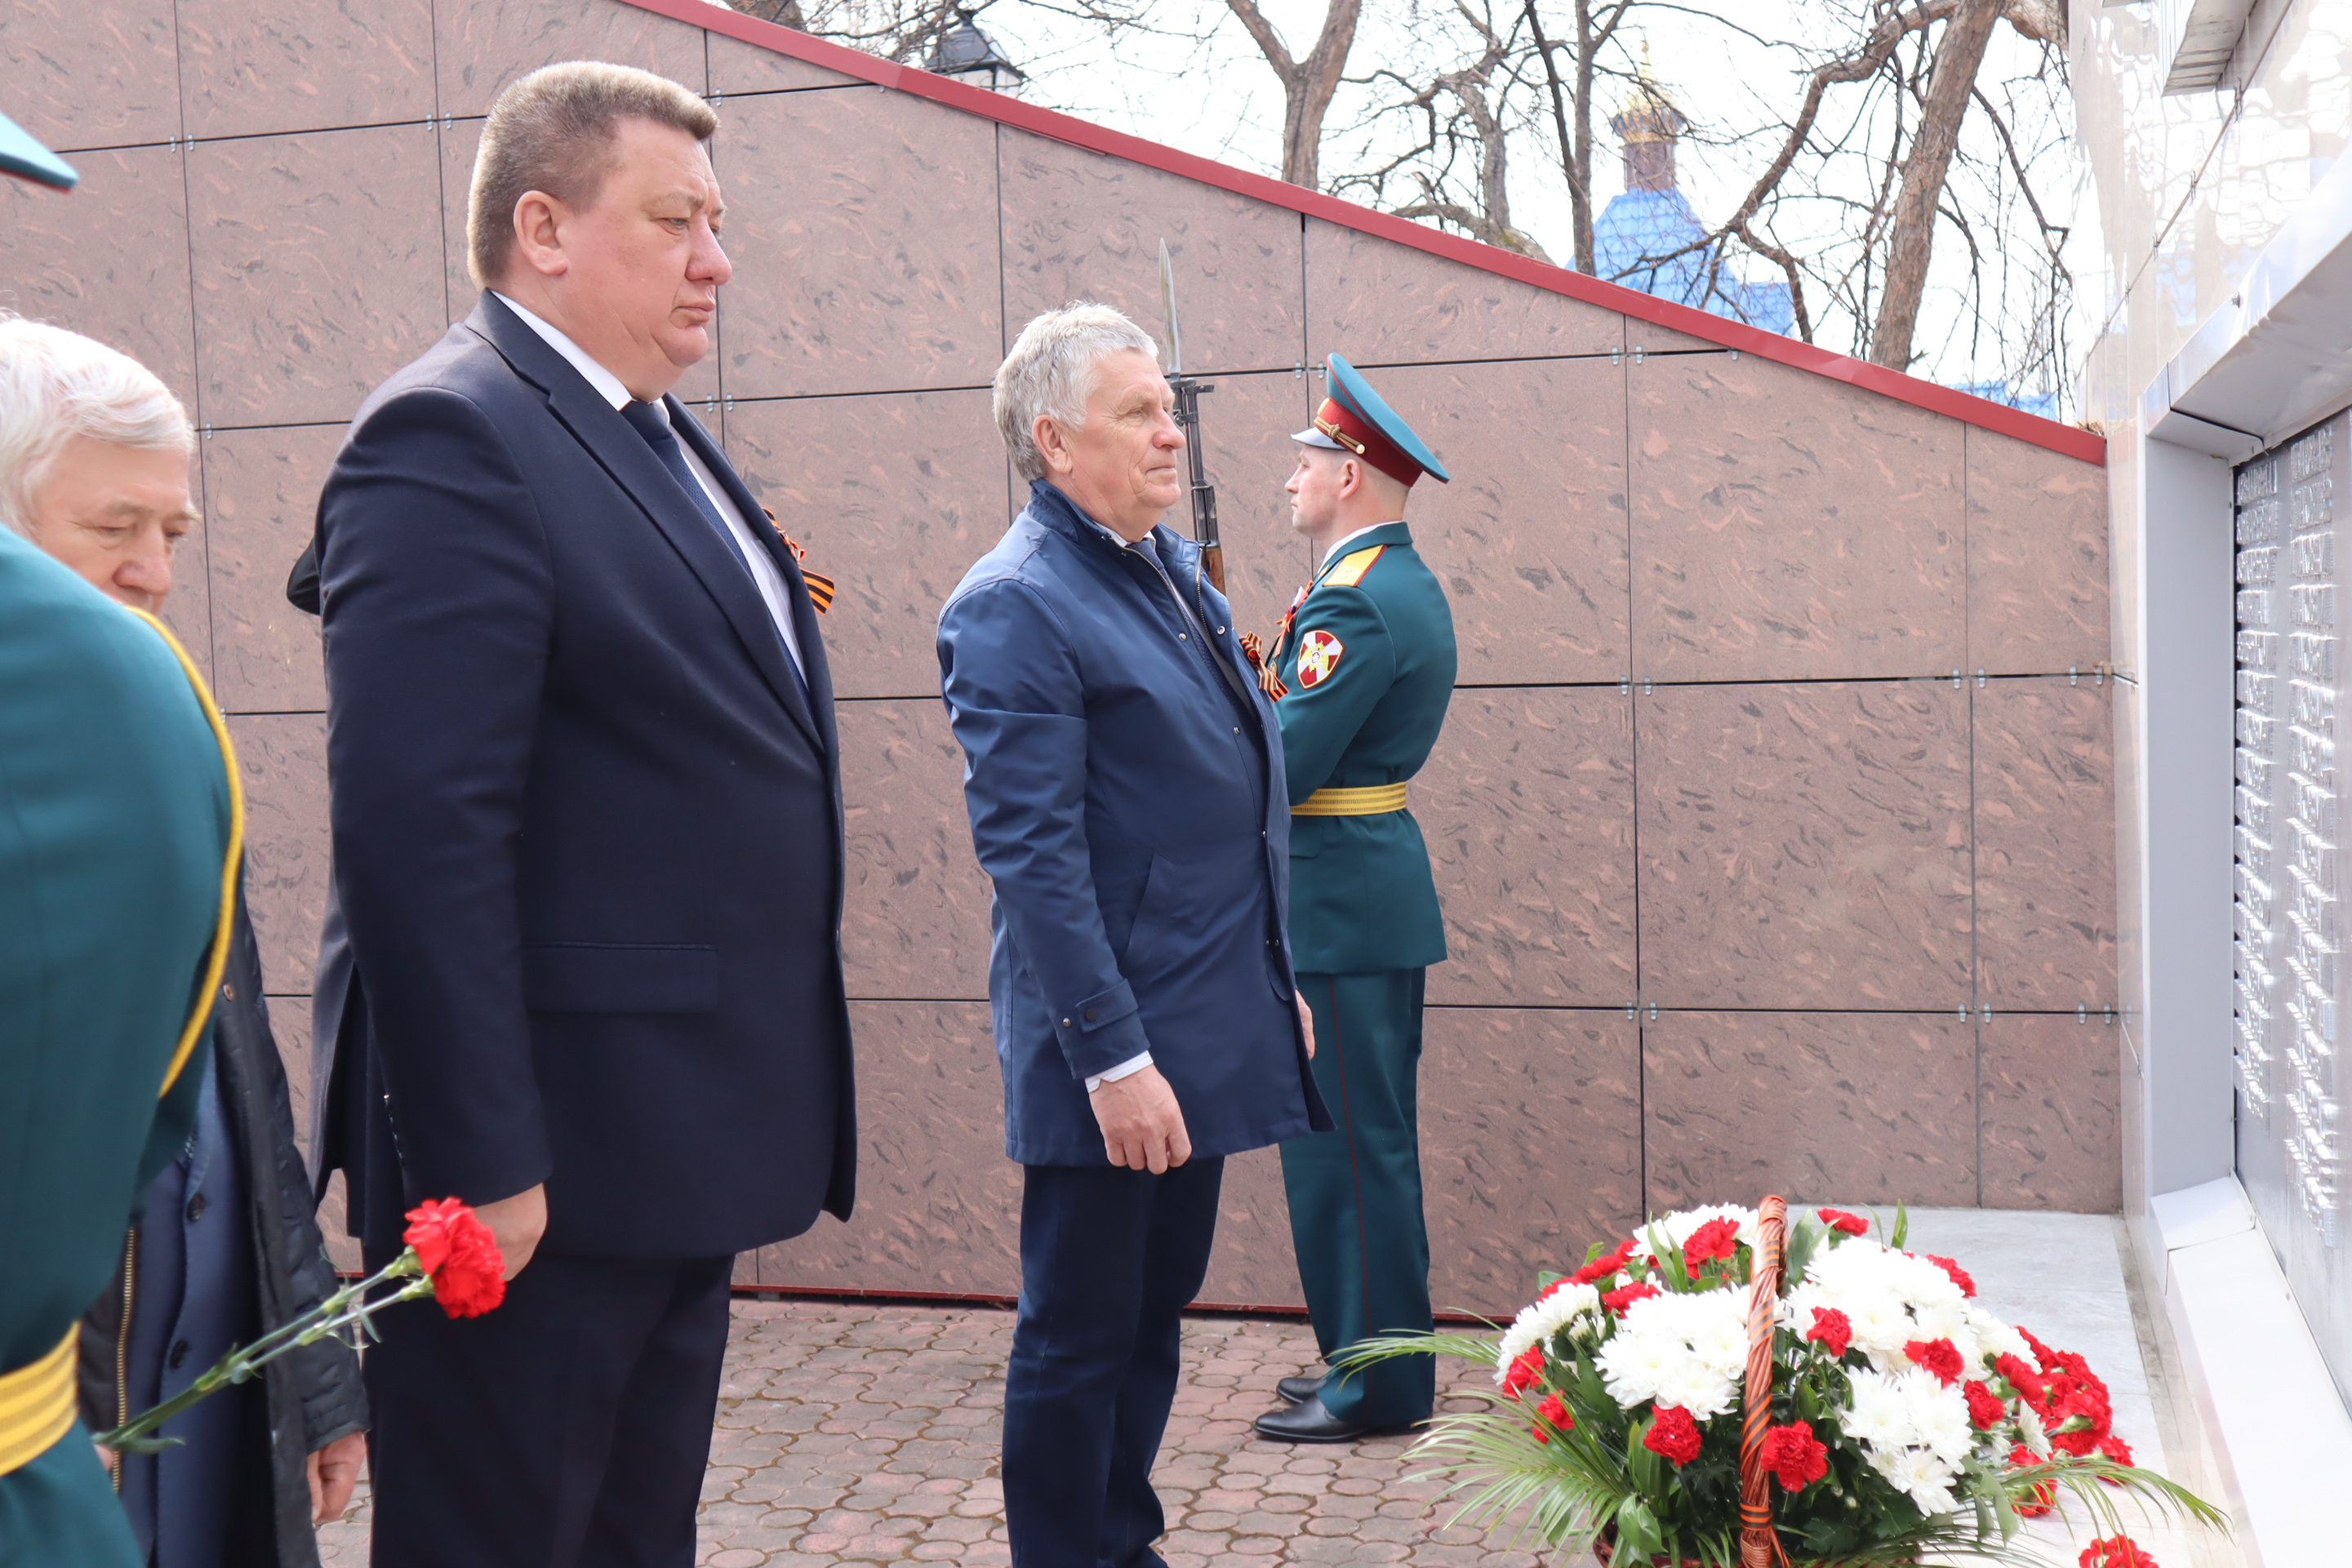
556	131
56	385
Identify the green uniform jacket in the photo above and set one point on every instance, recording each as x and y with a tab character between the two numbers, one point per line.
113	822
1368	658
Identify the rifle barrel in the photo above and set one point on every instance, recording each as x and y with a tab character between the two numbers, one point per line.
1188	391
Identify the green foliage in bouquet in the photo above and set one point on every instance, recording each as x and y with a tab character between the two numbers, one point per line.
1906	1423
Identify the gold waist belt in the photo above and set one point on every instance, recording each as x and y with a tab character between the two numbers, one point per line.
1371	800
36	1406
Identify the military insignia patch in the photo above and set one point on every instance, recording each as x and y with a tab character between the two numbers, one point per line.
1318	655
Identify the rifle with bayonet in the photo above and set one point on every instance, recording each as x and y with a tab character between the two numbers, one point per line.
1188	391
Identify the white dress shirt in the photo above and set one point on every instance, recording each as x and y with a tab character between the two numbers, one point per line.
1336	550
764	574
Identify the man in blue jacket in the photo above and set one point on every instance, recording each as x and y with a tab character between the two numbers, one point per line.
1124	776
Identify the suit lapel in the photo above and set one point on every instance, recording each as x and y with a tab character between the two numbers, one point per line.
814	664
623	453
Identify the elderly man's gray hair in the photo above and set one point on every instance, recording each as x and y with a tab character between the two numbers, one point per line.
56	385
1051	370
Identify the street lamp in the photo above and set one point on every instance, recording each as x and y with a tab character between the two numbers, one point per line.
970	55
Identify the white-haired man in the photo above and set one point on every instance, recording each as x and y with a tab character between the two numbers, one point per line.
94	454
588	852
1125	789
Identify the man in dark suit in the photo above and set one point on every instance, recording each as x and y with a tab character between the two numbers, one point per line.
588	851
1125	782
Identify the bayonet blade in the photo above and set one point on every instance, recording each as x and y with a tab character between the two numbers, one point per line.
1175	351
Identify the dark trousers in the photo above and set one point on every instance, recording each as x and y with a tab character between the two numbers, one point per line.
1108	1260
567	1428
1355	1192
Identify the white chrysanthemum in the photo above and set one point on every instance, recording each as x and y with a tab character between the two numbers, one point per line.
1940	1423
1686	1350
1925	1479
1881	1417
1996	1338
1890	1298
1538	1322
1913	1430
2029	1427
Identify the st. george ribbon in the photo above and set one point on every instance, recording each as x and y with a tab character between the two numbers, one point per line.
1188	391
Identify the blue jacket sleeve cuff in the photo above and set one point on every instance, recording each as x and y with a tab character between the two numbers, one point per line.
1100	1033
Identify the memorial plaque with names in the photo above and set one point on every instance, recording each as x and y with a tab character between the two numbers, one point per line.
2289	920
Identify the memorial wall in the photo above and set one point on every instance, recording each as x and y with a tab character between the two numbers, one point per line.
1774	815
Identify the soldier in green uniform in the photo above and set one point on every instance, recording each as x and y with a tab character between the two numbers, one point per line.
117	821
1363	670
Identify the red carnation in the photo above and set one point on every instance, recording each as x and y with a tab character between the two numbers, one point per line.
1617	1301
1795	1455
1673	1436
2116	1452
1605	1265
1845	1224
458	1254
1831	1329
1984	1405
1940	1357
2119	1552
1555	1410
2045	1491
2080	1420
1959	1275
2031	1387
1525	1372
1716	1238
1548	1291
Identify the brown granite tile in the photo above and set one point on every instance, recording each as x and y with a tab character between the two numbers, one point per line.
1254	1264
315	268
2045	827
110	261
863	228
894	496
2051	1138
90	73
1530	537
251	68
1789	526
1804	846
1085	225
283	758
916	925
261	499
737	66
1527	809
1877	1107
698	386
188	609
1382	303
2037	559
479	46
1530	1146
938	1206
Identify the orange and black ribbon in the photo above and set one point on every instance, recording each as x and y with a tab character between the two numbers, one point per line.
820	586
1268	681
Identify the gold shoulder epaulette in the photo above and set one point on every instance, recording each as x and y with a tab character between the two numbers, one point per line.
1351	568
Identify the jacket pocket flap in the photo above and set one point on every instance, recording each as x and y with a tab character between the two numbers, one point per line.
620	977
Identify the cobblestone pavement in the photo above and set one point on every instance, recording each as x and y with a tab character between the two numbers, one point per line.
856	1433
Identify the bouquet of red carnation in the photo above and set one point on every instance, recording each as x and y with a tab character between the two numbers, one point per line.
1729	1385
451	1256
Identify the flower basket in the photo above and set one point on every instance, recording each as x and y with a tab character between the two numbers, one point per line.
1728	1389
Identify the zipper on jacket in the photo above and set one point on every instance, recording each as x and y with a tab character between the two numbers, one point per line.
122	1347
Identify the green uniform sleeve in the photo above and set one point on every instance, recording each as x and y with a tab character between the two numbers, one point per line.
1320	719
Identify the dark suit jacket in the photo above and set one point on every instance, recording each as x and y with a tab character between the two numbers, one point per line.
587	829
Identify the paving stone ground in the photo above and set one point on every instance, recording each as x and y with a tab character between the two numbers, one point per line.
852	1434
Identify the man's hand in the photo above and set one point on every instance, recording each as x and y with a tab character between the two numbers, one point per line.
334	1470
516	1224
1142	1125
1306	1023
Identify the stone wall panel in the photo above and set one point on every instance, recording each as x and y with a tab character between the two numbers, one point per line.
256	68
2045	829
261	502
2052	1087
1382	303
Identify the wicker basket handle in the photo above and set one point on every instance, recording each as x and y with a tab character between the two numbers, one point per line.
1759	1543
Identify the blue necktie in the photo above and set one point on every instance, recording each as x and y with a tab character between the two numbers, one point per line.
651	421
